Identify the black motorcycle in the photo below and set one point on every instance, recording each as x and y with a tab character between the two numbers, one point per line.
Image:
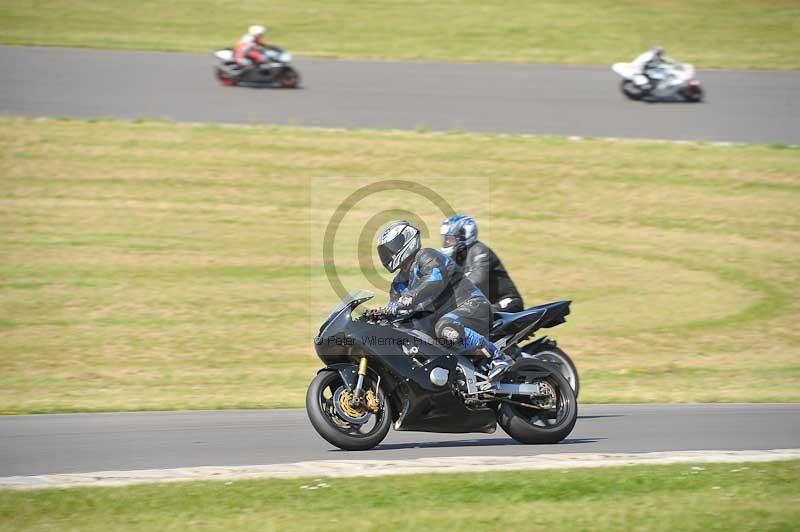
382	370
276	71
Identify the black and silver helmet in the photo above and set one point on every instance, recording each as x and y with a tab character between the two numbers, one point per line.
397	243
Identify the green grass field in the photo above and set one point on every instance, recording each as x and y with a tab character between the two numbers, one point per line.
149	265
758	497
709	33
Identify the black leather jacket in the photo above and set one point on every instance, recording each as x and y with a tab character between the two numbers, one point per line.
434	283
485	270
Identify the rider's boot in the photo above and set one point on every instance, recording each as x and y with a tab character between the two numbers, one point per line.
500	362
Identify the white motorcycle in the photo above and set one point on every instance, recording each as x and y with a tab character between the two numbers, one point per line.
667	82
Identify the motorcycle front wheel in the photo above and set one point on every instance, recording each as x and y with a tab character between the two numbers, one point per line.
693	94
348	428
531	425
289	78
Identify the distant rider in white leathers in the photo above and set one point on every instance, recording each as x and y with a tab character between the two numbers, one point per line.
649	64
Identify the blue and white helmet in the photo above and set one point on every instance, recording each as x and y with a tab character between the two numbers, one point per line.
397	243
458	232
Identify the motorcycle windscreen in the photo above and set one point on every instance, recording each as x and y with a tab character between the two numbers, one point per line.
359	295
351	300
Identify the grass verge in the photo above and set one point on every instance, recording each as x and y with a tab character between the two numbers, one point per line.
150	265
761	496
708	33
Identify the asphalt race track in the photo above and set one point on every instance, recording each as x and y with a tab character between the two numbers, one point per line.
500	98
742	106
73	443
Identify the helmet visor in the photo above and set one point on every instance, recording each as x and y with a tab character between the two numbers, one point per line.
388	250
449	241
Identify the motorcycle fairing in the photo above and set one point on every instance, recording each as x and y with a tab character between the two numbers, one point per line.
543	316
626	70
225	55
425	407
419	404
345	308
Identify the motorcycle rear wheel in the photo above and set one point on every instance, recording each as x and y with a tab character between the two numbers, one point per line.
336	430
557	357
537	426
630	90
223	79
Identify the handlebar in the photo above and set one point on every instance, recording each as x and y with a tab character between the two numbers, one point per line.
375	315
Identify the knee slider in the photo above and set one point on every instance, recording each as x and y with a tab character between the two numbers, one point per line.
450	331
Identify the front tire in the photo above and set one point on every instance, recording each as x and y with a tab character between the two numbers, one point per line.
336	430
538	426
290	79
693	94
631	90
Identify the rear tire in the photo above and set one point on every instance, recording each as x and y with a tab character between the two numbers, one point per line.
630	90
532	426
334	429
223	79
557	357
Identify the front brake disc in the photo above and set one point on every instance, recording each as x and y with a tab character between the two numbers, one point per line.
346	411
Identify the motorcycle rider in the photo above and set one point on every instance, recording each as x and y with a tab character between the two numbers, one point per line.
481	265
648	63
249	50
429	281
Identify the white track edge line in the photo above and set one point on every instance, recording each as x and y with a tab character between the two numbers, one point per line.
373	468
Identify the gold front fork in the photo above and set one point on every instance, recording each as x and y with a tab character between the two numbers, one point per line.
358	393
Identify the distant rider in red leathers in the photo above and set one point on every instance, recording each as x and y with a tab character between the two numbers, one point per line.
250	48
